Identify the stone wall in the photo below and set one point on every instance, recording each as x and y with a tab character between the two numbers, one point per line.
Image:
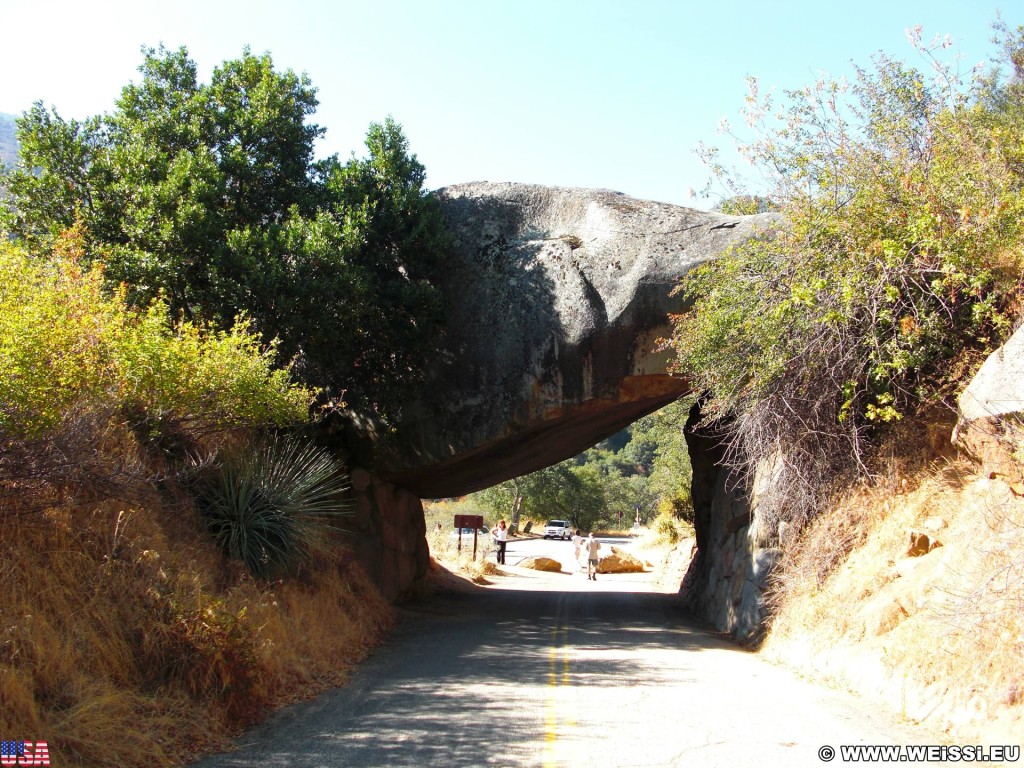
728	576
387	534
736	550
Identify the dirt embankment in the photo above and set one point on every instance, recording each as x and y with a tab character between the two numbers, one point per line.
911	592
127	640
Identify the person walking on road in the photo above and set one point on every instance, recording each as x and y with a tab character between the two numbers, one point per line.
577	545
500	534
592	545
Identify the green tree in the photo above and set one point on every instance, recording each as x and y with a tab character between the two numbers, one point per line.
644	467
56	178
505	500
660	436
202	179
210	196
562	491
624	496
566	492
395	245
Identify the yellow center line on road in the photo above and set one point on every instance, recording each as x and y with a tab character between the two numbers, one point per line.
558	651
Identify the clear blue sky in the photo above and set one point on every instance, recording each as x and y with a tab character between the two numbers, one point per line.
602	93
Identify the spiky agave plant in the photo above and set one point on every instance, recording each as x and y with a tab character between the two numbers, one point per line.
271	507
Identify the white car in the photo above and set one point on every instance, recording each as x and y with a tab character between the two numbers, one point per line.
558	529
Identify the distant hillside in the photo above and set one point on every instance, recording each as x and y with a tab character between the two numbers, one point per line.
8	142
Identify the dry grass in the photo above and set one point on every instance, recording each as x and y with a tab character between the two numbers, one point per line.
940	637
444	547
667	549
126	640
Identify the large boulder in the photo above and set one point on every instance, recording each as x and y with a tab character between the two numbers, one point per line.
542	564
997	389
990	409
557	298
620	561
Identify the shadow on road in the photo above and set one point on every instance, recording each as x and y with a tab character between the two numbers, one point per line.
486	676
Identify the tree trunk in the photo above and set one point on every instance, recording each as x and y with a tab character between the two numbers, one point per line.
517	506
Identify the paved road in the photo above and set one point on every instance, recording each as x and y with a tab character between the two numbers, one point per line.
563	551
560	671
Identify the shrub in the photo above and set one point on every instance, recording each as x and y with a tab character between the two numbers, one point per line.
272	507
77	367
64	342
56	339
669	526
202	381
896	263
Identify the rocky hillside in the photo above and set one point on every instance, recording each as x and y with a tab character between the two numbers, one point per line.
910	589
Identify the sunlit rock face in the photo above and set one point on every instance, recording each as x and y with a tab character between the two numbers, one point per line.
557	298
997	390
991	408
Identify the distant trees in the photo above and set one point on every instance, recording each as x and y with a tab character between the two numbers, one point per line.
564	491
210	196
644	467
898	263
667	472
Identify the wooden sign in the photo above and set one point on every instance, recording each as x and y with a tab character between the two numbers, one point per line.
476	522
469	521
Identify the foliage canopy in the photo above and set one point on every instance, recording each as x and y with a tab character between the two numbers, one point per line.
896	263
209	196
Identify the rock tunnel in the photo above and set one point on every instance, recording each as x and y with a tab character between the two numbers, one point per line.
557	299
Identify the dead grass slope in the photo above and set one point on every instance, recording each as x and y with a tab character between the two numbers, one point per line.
936	631
126	639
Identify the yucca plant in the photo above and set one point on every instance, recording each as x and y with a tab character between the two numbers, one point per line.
273	506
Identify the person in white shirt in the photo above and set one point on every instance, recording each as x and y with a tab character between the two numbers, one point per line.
500	534
577	543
